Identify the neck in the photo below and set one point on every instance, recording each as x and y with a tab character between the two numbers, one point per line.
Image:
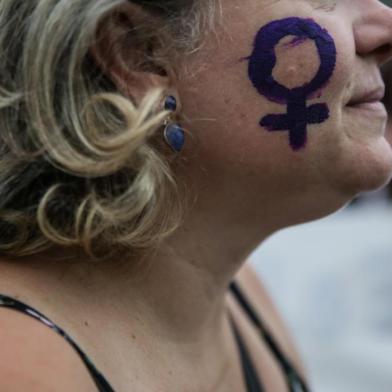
181	288
178	292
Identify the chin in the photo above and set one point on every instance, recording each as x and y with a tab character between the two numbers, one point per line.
367	167
361	155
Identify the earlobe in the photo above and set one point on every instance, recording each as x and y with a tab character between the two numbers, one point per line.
122	52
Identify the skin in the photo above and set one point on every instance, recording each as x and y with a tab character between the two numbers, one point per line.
245	184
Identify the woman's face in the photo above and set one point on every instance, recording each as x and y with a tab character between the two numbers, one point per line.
283	101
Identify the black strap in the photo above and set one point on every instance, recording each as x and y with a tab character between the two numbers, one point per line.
294	380
12	303
252	381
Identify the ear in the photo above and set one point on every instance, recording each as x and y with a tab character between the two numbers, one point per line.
129	49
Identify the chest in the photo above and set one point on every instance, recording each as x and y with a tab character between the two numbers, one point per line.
164	371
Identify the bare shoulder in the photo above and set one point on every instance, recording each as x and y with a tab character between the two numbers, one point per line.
35	358
262	302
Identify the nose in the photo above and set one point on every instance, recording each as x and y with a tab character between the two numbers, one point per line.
373	30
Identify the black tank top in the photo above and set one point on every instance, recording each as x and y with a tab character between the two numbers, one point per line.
295	382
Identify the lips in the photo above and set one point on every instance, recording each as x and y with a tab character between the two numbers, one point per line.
367	96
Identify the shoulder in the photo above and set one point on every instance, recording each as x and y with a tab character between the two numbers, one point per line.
36	358
262	302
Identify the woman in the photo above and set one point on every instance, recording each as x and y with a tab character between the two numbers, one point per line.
147	148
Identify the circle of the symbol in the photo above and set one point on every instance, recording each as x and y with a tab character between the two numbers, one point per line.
263	59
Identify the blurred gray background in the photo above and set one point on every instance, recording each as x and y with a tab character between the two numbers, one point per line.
332	280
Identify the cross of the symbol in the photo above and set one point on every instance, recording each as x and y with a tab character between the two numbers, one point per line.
296	120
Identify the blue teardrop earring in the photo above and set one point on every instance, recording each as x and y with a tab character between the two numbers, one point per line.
174	134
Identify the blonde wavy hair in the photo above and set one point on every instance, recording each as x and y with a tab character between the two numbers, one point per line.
78	163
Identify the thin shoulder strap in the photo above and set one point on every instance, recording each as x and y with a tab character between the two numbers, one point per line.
251	379
294	380
99	379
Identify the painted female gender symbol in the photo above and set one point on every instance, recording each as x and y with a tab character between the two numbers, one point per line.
262	62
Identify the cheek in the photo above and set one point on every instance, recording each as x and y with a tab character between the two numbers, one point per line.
224	109
302	85
340	88
296	60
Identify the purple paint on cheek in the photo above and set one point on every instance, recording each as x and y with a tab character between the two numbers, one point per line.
316	94
262	62
296	42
